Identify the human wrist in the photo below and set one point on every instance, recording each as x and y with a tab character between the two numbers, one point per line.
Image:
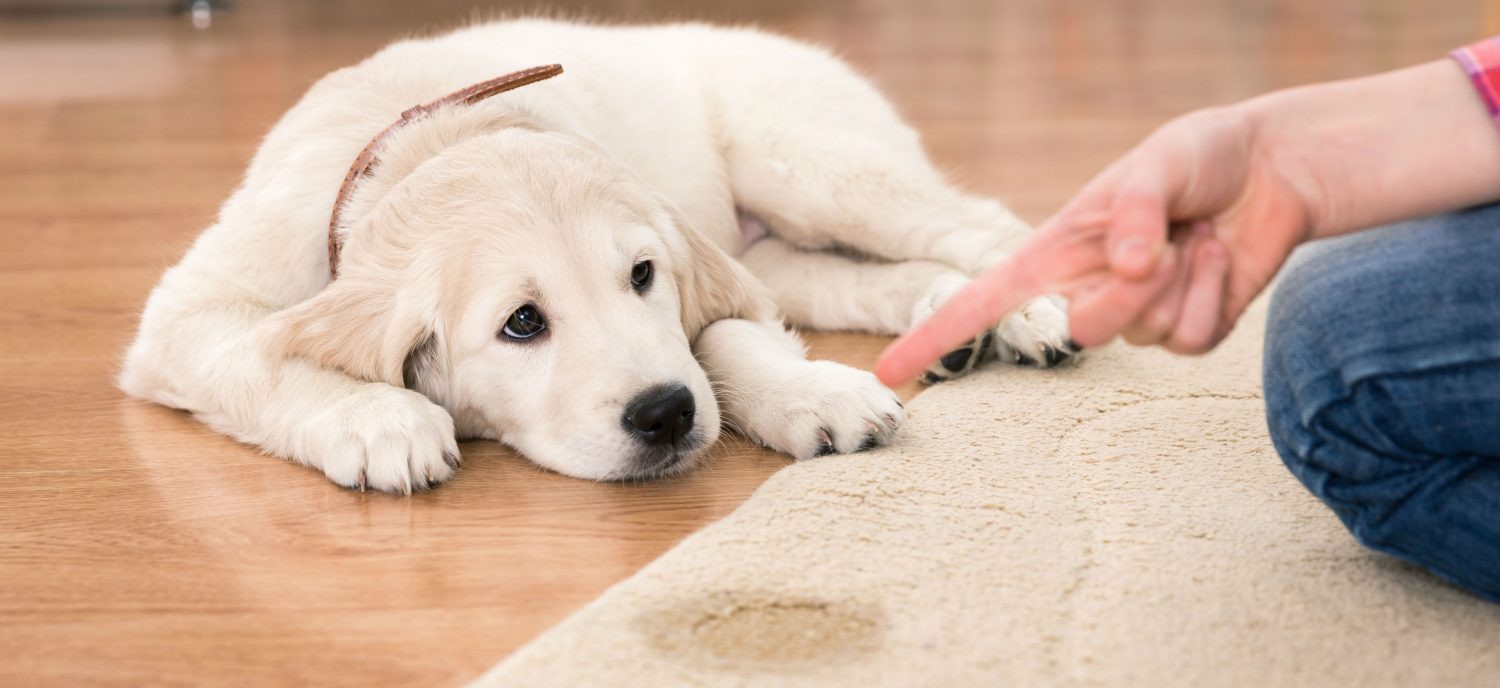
1375	150
1286	151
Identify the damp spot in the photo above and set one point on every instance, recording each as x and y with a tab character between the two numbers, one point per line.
765	631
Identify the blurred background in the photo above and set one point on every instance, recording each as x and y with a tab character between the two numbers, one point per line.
1010	92
138	547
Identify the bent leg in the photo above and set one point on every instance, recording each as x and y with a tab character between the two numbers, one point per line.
207	355
832	167
1382	385
829	291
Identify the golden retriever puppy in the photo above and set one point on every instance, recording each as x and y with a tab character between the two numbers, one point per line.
593	269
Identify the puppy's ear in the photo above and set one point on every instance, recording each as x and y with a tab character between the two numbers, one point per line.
359	327
712	285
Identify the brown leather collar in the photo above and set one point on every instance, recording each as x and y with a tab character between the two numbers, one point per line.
366	159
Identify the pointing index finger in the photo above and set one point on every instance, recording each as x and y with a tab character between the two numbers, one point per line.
1052	260
980	304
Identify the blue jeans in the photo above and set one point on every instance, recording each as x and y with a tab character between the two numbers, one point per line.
1382	385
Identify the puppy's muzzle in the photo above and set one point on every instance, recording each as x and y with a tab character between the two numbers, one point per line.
660	416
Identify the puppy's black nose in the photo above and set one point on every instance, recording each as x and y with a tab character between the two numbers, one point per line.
660	415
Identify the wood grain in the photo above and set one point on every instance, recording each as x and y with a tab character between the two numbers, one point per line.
136	546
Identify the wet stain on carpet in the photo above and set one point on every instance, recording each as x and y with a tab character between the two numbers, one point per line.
764	631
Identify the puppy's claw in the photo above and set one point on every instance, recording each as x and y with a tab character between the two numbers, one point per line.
453	460
398	439
825	443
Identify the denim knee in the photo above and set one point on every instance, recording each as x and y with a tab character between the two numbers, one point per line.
1328	432
1382	383
1353	316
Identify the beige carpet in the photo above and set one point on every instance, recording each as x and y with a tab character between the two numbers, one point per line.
1124	522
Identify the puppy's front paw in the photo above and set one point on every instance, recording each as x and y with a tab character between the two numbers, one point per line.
964	359
384	438
1036	335
824	408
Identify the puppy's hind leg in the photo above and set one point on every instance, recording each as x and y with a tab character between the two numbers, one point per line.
825	290
829	291
867	200
833	189
825	161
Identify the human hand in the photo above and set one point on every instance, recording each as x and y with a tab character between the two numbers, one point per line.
1172	242
1227	199
1167	246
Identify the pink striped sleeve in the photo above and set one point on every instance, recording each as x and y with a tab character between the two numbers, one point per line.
1482	61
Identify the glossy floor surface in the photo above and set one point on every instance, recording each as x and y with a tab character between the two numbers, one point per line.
136	546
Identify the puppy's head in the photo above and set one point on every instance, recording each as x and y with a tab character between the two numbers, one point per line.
544	297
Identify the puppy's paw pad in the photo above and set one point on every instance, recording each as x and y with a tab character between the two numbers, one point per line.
383	438
961	361
1036	335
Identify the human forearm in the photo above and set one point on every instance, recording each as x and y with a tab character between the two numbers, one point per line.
1369	151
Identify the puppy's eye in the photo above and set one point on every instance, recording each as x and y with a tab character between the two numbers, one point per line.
641	274
524	324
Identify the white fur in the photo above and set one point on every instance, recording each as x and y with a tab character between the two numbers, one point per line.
643	150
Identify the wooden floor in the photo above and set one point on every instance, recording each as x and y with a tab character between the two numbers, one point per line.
138	547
